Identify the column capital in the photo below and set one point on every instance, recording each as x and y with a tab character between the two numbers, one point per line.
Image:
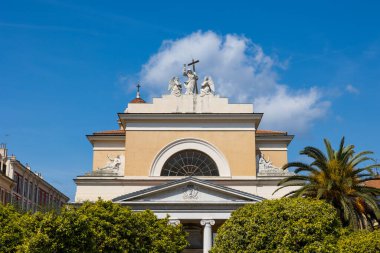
207	221
174	222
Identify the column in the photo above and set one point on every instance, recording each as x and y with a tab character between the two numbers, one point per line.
207	234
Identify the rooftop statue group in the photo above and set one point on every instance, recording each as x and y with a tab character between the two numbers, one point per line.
175	85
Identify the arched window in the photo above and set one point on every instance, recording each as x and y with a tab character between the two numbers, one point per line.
190	162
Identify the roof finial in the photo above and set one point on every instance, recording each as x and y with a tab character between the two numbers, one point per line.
138	99
138	90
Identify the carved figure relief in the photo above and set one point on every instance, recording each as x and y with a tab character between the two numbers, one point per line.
113	166
190	192
266	168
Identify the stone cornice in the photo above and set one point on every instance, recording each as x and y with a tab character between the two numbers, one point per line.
105	137
204	117
151	181
274	138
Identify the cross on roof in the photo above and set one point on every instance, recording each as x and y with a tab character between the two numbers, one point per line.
138	90
193	62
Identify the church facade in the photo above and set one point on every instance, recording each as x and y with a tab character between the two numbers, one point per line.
193	156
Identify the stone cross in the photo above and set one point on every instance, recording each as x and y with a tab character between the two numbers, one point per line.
192	63
138	90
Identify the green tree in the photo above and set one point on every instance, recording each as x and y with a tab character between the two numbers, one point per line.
338	178
12	228
283	225
67	231
359	242
118	229
103	226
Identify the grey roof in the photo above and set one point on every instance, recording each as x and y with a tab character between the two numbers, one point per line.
184	180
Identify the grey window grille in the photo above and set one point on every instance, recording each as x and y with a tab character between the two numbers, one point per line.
190	162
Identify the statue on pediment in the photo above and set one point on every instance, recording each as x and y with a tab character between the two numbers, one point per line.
113	165
175	86
207	87
265	164
191	82
266	168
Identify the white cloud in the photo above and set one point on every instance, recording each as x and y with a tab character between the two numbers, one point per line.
295	111
351	89
242	72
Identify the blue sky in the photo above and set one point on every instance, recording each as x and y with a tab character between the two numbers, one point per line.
67	68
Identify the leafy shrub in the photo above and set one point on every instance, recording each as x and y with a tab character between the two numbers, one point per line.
92	227
284	225
12	230
361	241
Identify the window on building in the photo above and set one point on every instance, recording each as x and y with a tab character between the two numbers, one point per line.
3	169
190	163
18	183
35	194
26	183
2	196
43	197
30	190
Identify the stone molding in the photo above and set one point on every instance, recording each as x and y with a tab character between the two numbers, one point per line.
190	143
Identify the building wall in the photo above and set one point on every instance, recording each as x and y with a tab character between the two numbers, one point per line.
30	192
5	188
238	147
6	182
22	187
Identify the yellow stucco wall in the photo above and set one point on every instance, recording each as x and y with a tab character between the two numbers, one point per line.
277	157
238	147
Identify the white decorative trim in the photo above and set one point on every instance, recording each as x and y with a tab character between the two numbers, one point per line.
108	149
273	149
193	214
161	126
190	143
189	129
272	146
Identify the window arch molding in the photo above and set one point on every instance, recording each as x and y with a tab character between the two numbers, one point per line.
190	143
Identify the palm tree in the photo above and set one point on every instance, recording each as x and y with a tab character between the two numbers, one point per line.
339	179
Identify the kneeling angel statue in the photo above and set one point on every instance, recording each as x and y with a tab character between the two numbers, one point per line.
175	86
207	87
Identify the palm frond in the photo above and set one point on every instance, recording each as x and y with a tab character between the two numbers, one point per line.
295	164
314	153
329	149
336	178
296	178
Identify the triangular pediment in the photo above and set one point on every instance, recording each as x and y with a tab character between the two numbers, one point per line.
189	190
